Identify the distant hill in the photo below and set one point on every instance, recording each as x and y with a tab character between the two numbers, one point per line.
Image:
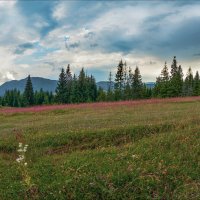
105	85
150	84
48	85
38	83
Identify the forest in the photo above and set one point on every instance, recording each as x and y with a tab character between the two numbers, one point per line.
128	85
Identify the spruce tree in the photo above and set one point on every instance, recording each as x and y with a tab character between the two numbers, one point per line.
165	74
196	87
128	93
125	75
188	84
164	81
28	93
74	98
82	87
101	95
157	87
119	78
110	88
61	90
137	85
174	67
110	84
176	80
92	89
68	84
179	81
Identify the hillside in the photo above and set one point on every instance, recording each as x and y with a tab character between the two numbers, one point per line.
105	85
48	85
38	83
139	150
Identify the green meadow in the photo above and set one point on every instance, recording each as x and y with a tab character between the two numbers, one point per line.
144	151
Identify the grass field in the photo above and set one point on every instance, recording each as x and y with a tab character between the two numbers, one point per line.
131	150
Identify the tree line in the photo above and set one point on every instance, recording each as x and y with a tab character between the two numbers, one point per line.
14	98
126	85
173	84
70	89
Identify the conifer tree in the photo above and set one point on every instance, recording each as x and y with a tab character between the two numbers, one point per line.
61	88
176	80
28	93
162	83
101	95
92	89
119	78
188	84
110	96
82	86
68	84
165	74
179	81
75	93
196	87
157	87
125	75
137	84
128	93
174	67
110	84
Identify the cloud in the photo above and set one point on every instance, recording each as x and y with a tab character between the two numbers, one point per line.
196	54
7	4
33	37
60	11
7	76
24	47
75	45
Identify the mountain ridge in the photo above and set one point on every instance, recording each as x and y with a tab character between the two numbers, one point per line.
47	84
38	83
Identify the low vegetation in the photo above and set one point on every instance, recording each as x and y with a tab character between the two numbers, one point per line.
131	150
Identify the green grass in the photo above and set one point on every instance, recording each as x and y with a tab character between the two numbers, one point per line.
142	152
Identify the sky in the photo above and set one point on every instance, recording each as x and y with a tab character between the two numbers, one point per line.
41	37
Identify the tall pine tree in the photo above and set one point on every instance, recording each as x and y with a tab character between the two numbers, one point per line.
82	87
176	80
196	86
110	95
137	85
28	92
119	81
174	67
68	84
61	90
188	84
162	83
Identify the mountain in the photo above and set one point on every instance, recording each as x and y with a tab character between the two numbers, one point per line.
150	84
48	85
105	85
38	83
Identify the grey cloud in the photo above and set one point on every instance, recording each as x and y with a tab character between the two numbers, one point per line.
74	45
180	40
93	45
196	54
4	76
20	49
152	62
89	35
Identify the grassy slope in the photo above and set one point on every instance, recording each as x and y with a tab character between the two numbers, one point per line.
140	152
